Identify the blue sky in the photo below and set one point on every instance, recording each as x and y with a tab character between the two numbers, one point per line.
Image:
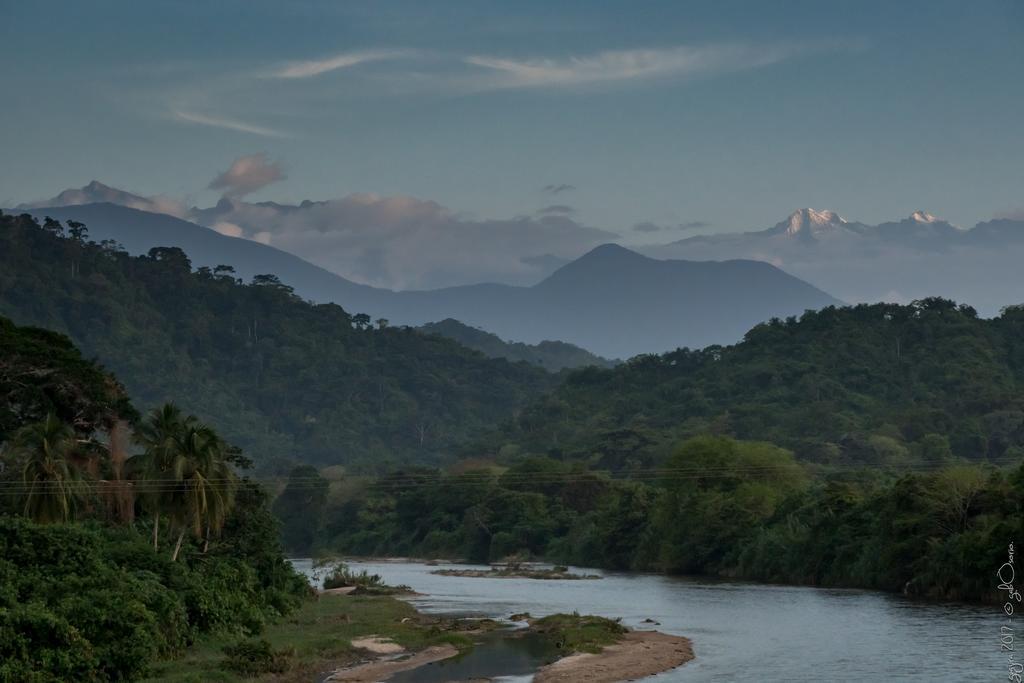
729	114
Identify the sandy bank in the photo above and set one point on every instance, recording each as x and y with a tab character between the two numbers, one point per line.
383	669
638	654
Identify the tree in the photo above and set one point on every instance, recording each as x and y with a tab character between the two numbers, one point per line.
361	321
186	474
53	226
77	231
173	257
224	272
208	486
272	282
49	478
159	434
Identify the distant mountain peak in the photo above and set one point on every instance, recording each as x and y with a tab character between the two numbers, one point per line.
923	217
610	249
97	186
94	192
807	223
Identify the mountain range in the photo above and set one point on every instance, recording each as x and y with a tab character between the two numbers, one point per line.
913	258
611	301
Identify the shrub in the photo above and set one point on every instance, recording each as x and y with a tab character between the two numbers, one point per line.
343	576
252	658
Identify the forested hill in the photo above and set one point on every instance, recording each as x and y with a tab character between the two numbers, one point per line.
877	384
550	355
282	378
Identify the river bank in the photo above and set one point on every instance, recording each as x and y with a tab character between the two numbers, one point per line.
637	655
738	627
327	634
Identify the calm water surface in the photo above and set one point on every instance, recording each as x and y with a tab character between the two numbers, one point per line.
743	631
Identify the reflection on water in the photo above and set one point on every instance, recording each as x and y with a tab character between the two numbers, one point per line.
746	631
499	655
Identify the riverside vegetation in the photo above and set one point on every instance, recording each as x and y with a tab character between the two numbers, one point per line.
163	564
111	561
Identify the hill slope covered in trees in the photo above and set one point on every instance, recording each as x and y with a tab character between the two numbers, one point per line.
281	377
869	385
550	355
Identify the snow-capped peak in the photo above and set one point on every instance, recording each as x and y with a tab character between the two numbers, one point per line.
923	217
810	219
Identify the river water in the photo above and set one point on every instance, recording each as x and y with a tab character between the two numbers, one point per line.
744	631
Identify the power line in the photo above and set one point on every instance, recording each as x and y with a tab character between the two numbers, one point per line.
432	480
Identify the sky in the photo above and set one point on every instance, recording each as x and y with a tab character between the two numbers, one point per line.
649	120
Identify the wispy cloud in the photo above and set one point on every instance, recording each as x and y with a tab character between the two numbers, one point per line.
557	209
316	67
625	65
229	124
557	188
649	226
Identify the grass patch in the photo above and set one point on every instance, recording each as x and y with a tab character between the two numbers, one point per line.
575	633
317	637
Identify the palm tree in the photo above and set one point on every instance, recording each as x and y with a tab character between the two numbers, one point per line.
184	474
50	481
160	435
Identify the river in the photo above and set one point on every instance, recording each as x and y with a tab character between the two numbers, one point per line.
745	631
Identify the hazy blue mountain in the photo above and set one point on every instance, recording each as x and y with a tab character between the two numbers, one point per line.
550	355
611	301
899	261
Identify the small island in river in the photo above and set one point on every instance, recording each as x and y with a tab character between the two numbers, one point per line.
518	571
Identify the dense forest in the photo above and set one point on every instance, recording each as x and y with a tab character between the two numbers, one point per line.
550	355
878	385
113	556
872	446
716	506
282	378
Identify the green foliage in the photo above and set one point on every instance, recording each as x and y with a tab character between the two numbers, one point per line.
553	356
300	508
718	506
86	603
575	633
282	378
42	373
251	658
865	385
342	576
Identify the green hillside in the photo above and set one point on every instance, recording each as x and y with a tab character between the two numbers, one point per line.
550	355
284	379
880	384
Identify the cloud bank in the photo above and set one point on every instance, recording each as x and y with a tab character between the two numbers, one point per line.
407	243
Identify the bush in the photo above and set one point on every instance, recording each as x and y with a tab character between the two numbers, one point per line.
39	646
253	658
85	603
342	576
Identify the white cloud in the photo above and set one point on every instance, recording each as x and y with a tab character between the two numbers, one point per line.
248	174
229	124
317	67
624	65
228	229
